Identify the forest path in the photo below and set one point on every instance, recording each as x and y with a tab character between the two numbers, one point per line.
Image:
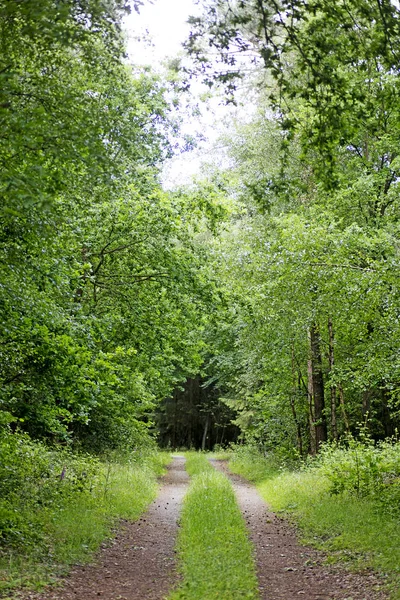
286	570
140	562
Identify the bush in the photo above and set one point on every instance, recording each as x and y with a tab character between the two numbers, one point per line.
57	506
363	468
38	482
34	478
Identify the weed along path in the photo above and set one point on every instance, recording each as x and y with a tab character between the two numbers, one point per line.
287	570
140	562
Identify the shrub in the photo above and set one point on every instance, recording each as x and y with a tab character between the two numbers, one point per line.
34	478
363	468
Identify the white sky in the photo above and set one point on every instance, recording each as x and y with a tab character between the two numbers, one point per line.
164	22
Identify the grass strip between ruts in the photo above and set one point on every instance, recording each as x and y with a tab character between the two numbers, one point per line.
215	553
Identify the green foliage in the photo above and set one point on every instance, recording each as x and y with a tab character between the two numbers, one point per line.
315	259
349	529
197	463
333	68
35	479
213	547
248	461
57	506
103	285
195	417
315	238
364	469
321	497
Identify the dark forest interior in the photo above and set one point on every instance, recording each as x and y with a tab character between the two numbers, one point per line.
194	417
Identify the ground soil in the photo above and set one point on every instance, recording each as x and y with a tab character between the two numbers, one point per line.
139	564
286	569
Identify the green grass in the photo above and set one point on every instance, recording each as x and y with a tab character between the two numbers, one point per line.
222	454
197	463
252	465
214	551
70	533
349	529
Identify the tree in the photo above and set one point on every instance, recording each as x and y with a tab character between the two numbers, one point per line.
103	284
320	159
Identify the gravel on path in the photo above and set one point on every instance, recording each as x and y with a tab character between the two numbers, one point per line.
286	569
139	564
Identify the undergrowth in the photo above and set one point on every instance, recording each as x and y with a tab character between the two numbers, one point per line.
214	551
345	502
249	462
57	507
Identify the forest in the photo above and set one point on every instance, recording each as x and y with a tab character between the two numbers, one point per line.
255	309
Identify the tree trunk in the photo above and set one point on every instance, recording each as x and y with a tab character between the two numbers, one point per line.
203	441
293	406
386	417
298	427
334	433
222	435
311	418
343	409
366	402
318	396
175	423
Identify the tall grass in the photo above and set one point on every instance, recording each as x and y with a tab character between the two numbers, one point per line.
251	464
214	551
336	504
57	507
197	463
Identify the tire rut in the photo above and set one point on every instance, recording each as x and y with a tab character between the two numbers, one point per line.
139	564
287	570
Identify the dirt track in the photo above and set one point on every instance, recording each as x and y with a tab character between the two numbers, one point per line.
287	570
140	562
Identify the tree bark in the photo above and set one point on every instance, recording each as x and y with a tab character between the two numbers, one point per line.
203	441
175	424
343	409
366	402
222	435
311	418
386	417
293	406
334	432
320	428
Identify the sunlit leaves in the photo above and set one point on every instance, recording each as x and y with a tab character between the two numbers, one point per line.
103	286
